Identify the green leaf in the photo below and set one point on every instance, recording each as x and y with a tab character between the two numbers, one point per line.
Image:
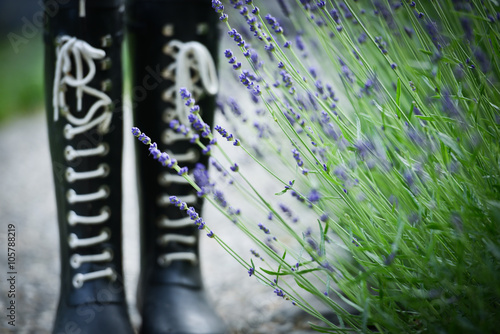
284	190
450	143
492	248
425	51
398	92
322	242
302	286
281	273
435	226
330	330
426	118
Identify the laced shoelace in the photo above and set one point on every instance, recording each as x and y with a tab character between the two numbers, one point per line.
193	68
71	48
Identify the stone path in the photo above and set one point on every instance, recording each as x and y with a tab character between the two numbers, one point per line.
27	200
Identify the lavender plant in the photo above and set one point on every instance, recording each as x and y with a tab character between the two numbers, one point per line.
379	122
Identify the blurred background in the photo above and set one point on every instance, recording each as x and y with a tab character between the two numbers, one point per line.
20	58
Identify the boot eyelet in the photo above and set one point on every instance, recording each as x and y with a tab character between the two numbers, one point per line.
202	28
69	153
169	115
106	41
72	218
69	174
106	64
109	252
168	30
168	74
105	169
106	190
78	281
106	211
75	261
106	85
105	149
68	134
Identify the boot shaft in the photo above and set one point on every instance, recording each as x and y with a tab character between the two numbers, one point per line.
173	44
83	82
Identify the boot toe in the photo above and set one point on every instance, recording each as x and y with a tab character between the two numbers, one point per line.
93	319
178	309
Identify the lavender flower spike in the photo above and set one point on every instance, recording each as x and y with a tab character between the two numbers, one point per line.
162	157
141	136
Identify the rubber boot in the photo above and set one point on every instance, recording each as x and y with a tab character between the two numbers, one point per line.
173	44
83	83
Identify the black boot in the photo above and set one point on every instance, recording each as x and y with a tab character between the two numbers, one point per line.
172	44
83	79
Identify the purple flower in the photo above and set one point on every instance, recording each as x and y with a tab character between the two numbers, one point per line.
201	177
172	162
274	24
210	234
237	37
296	156
185	94
362	38
279	293
164	159
174	124
206	150
183	171
174	200
195	109
251	271
154	151
144	139
217	6
244	11
269	47
135	131
341	173
314	196
255	253
200	223
263	228
219	198
194	138
192	213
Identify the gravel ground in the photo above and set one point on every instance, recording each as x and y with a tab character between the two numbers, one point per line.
27	200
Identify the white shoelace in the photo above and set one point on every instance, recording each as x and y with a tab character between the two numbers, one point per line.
189	56
80	51
71	48
192	64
